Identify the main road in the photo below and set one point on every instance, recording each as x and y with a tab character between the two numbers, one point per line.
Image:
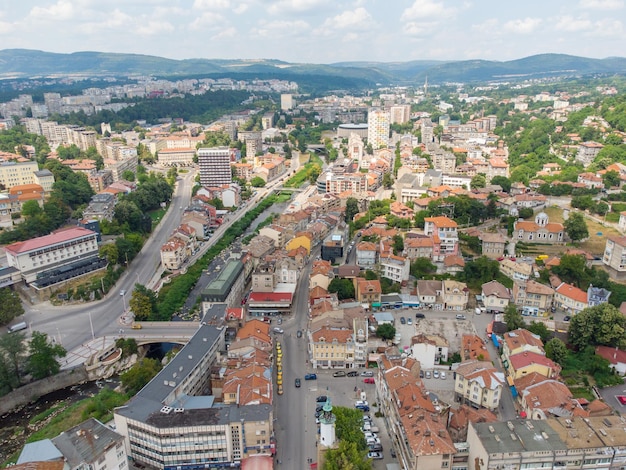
73	325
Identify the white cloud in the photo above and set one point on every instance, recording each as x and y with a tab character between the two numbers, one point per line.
290	6
62	10
208	19
572	25
522	25
241	8
427	9
490	25
420	28
282	28
606	28
350	19
154	27
229	32
211	4
602	4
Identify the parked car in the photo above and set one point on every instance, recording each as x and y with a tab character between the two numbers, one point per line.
403	320
374	455
363	408
460	316
367	373
420	315
443	375
409	321
428	374
375	447
310	377
435	374
367	426
369	380
361	403
352	373
319	408
278	330
421	374
298	383
321	399
372	440
339	373
367	418
567	318
299	334
393	453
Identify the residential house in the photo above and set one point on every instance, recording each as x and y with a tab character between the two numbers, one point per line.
590	180
597	296
430	293
331	348
453	264
286	271
496	297
395	268
455	295
615	356
541	398
539	231
264	278
570	298
299	241
429	350
527	362
366	254
587	152
418	247
615	254
519	341
478	383
174	254
276	233
321	275
533	298
445	238
473	347
515	270
249	385
368	292
461	417
493	244
401	211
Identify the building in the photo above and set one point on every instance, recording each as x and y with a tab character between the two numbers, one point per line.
444	234
493	244
56	257
395	268
539	231
331	348
378	129
570	298
455	295
429	350
174	254
496	297
587	152
533	298
287	101
368	292
89	444
430	293
528	362
101	207
478	384
615	253
17	173
177	405
214	166
366	254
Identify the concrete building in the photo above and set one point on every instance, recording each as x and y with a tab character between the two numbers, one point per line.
539	231
478	383
395	268
444	234
39	258
378	128
16	174
533	298
214	166
615	254
496	297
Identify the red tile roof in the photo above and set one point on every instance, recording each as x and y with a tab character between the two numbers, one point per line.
54	238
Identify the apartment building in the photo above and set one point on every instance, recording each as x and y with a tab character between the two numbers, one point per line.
332	348
455	295
418	247
176	411
394	268
570	298
493	244
615	253
214	166
17	173
517	271
478	383
39	258
378	128
533	298
496	297
444	234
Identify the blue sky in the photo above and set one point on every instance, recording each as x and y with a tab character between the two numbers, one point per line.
318	31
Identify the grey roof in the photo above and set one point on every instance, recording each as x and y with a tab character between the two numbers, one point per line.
39	451
382	317
529	436
216	314
390	298
44	172
86	443
154	395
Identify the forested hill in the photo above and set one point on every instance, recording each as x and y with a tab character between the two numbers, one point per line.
24	63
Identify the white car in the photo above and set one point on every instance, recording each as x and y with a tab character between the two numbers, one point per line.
374	455
361	403
370	435
443	375
367	373
372	440
122	292
366	426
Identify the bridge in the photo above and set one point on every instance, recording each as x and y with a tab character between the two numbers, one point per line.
149	333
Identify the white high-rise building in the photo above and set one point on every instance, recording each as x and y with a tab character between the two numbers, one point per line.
378	129
214	165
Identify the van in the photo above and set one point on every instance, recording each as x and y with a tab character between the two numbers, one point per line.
18	327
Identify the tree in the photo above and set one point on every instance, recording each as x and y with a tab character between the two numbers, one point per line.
139	375
143	302
540	330
257	182
371	275
398	244
479	271
478	181
602	325
352	208
526	213
611	179
556	350
42	359
422	267
31	208
503	182
348	425
572	269
513	319
576	227
128	175
346	456
12	349
387	180
386	331
10	305
343	287
109	252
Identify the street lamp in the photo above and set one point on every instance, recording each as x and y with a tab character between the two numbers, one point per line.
93	336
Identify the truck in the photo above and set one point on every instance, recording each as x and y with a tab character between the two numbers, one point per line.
18	327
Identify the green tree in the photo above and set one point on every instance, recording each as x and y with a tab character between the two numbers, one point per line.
348	425
386	331
12	349
10	305
479	271
343	287
602	325
526	213
513	318
422	267
540	330
109	252
257	182
352	208
478	181
143	302
387	180
556	350
572	269
128	175
503	182
139	375
346	456
398	244
576	227
127	345
371	275
31	209
611	179
42	356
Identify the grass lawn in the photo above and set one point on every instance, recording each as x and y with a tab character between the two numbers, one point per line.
582	392
157	215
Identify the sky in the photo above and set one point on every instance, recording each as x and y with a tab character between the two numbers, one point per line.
318	31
